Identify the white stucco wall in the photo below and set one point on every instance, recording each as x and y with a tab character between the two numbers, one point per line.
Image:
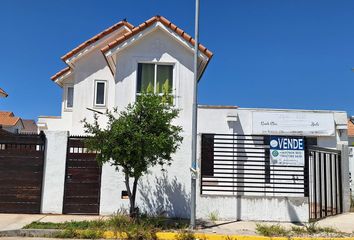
254	208
54	172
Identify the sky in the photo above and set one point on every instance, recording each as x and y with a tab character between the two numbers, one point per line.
267	54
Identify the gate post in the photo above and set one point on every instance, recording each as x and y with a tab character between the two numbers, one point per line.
306	173
345	184
54	172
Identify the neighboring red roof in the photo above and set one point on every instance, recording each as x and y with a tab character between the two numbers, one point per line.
29	126
6	114
8	119
148	23
350	129
60	73
96	38
3	93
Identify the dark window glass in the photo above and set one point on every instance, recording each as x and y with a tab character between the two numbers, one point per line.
70	97
164	79
100	92
146	76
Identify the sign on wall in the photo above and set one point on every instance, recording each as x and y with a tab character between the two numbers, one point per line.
293	123
287	151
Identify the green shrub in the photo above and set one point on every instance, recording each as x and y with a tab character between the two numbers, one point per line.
69	233
83	234
118	222
144	227
185	235
213	216
141	232
94	224
311	228
328	230
272	230
298	230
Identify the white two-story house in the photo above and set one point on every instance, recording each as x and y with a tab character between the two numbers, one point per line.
110	70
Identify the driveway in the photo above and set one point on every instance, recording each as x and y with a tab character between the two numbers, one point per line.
18	221
344	222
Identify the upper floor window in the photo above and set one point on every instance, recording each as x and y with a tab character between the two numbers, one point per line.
100	93
69	97
155	77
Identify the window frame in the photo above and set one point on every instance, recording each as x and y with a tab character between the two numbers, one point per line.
66	94
173	65
95	104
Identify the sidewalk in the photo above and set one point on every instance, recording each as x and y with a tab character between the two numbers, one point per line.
343	223
18	221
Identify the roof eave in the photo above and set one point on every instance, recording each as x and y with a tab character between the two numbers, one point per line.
73	54
117	44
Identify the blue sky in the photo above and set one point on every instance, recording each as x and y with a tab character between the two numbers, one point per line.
274	53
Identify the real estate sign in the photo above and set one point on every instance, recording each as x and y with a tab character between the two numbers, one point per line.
293	123
287	151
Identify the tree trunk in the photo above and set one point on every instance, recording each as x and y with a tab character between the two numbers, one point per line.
132	195
135	185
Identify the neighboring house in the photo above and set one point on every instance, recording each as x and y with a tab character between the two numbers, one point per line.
3	93
29	126
10	123
112	68
351	132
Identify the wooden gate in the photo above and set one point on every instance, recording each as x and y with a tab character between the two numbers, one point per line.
82	179
21	172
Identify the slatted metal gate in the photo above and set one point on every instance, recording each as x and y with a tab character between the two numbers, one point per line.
82	179
325	181
240	165
21	172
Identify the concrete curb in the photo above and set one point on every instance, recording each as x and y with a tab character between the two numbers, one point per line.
160	235
29	233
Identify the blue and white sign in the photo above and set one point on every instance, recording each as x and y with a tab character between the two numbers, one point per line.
287	151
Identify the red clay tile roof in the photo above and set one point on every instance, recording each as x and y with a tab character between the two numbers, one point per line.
8	119
60	73
3	93
96	38
88	43
148	23
134	30
29	126
6	114
350	129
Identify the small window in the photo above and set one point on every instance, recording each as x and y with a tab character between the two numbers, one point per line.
155	77
124	195
100	93
69	97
